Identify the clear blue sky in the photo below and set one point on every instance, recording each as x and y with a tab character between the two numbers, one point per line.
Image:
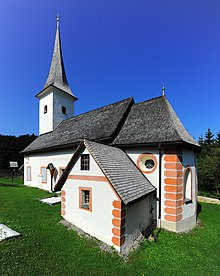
112	49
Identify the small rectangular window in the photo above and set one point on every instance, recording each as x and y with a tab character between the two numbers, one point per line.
85	198
64	110
28	173
85	162
44	174
45	109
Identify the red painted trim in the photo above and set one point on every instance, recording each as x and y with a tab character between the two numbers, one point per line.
118	204
173	218
175	158
146	155
118	241
30	173
171	203
88	177
90	198
118	232
94	178
42	167
174	181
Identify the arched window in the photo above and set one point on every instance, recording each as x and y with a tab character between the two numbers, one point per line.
188	185
45	109
64	110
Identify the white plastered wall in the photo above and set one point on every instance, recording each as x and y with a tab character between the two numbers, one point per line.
189	210
54	99
38	160
138	218
62	99
98	222
154	176
135	153
46	119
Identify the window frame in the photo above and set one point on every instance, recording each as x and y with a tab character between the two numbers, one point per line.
41	168
81	190
28	167
142	158
83	166
186	183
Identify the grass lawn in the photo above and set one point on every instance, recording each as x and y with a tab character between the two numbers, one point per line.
48	248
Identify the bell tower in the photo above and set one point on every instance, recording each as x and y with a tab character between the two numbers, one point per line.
56	100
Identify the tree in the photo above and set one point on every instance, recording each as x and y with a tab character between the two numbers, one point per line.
209	163
217	140
201	141
11	146
209	137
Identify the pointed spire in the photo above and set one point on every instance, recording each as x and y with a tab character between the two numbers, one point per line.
57	74
58	21
163	90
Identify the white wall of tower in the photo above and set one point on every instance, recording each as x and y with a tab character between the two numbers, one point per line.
46	119
54	99
62	99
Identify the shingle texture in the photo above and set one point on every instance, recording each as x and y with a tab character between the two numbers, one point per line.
153	121
121	123
57	74
123	174
99	124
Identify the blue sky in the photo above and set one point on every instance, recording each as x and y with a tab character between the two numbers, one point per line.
112	50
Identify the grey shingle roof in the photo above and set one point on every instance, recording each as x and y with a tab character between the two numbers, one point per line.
127	180
57	74
99	124
153	121
122	123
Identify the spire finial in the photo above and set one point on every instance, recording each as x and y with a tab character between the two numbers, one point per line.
163	89
58	21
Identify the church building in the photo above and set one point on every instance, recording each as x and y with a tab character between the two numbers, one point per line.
122	169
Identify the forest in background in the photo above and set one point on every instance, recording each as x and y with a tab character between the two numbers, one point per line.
10	148
208	159
209	163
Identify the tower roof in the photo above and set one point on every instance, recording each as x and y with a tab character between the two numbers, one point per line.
57	75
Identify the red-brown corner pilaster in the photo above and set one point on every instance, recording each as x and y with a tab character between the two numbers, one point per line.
118	223
173	184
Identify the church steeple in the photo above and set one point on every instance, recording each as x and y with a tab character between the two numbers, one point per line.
56	100
57	75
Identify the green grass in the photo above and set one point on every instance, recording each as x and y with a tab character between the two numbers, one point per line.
209	194
48	248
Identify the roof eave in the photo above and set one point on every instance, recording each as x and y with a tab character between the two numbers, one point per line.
141	197
61	147
52	85
156	144
68	168
69	145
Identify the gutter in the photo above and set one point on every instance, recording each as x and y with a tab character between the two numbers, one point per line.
160	182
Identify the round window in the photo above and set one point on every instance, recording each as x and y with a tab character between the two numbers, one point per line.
147	162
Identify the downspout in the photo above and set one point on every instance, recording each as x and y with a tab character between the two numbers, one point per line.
160	174
51	168
51	181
